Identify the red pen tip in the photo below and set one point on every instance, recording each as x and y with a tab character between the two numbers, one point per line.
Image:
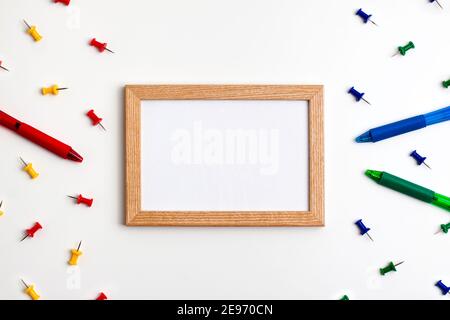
74	156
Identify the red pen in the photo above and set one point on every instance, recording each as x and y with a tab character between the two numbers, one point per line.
40	138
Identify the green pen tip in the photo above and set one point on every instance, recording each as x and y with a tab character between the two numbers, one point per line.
373	174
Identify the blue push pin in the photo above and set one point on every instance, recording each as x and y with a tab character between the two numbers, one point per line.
364	16
431	1
443	287
363	229
419	159
358	95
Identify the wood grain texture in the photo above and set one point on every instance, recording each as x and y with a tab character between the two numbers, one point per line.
134	94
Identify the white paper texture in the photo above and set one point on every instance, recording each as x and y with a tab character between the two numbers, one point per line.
224	155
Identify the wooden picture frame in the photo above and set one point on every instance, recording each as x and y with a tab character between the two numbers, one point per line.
134	94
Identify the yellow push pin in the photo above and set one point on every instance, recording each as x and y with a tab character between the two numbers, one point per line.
30	291
33	32
1	212
54	90
75	254
28	168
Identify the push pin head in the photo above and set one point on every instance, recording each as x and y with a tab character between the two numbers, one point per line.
102	296
3	66
28	168
357	95
390	267
364	16
443	287
30	232
66	2
73	261
83	200
446	84
29	290
33	32
99	45
363	229
95	119
344	297
419	159
444	228
54	90
402	50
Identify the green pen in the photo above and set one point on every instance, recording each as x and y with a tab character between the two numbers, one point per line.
411	189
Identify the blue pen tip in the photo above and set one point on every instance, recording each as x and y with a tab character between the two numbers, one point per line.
365	137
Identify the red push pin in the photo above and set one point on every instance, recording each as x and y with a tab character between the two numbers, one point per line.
95	119
30	232
66	2
2	66
100	46
102	296
81	199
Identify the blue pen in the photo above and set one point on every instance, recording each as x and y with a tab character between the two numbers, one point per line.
404	126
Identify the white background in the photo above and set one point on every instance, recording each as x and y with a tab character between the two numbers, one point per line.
200	41
224	155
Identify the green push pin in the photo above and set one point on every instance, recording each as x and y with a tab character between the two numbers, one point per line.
404	49
390	267
345	297
444	228
446	84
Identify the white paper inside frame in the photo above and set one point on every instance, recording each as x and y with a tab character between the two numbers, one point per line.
211	155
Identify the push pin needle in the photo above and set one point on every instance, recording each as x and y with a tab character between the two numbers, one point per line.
438	3
79	245
23	161
24	283
26	24
366	101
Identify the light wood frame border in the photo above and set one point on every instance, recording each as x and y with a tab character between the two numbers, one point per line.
134	94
